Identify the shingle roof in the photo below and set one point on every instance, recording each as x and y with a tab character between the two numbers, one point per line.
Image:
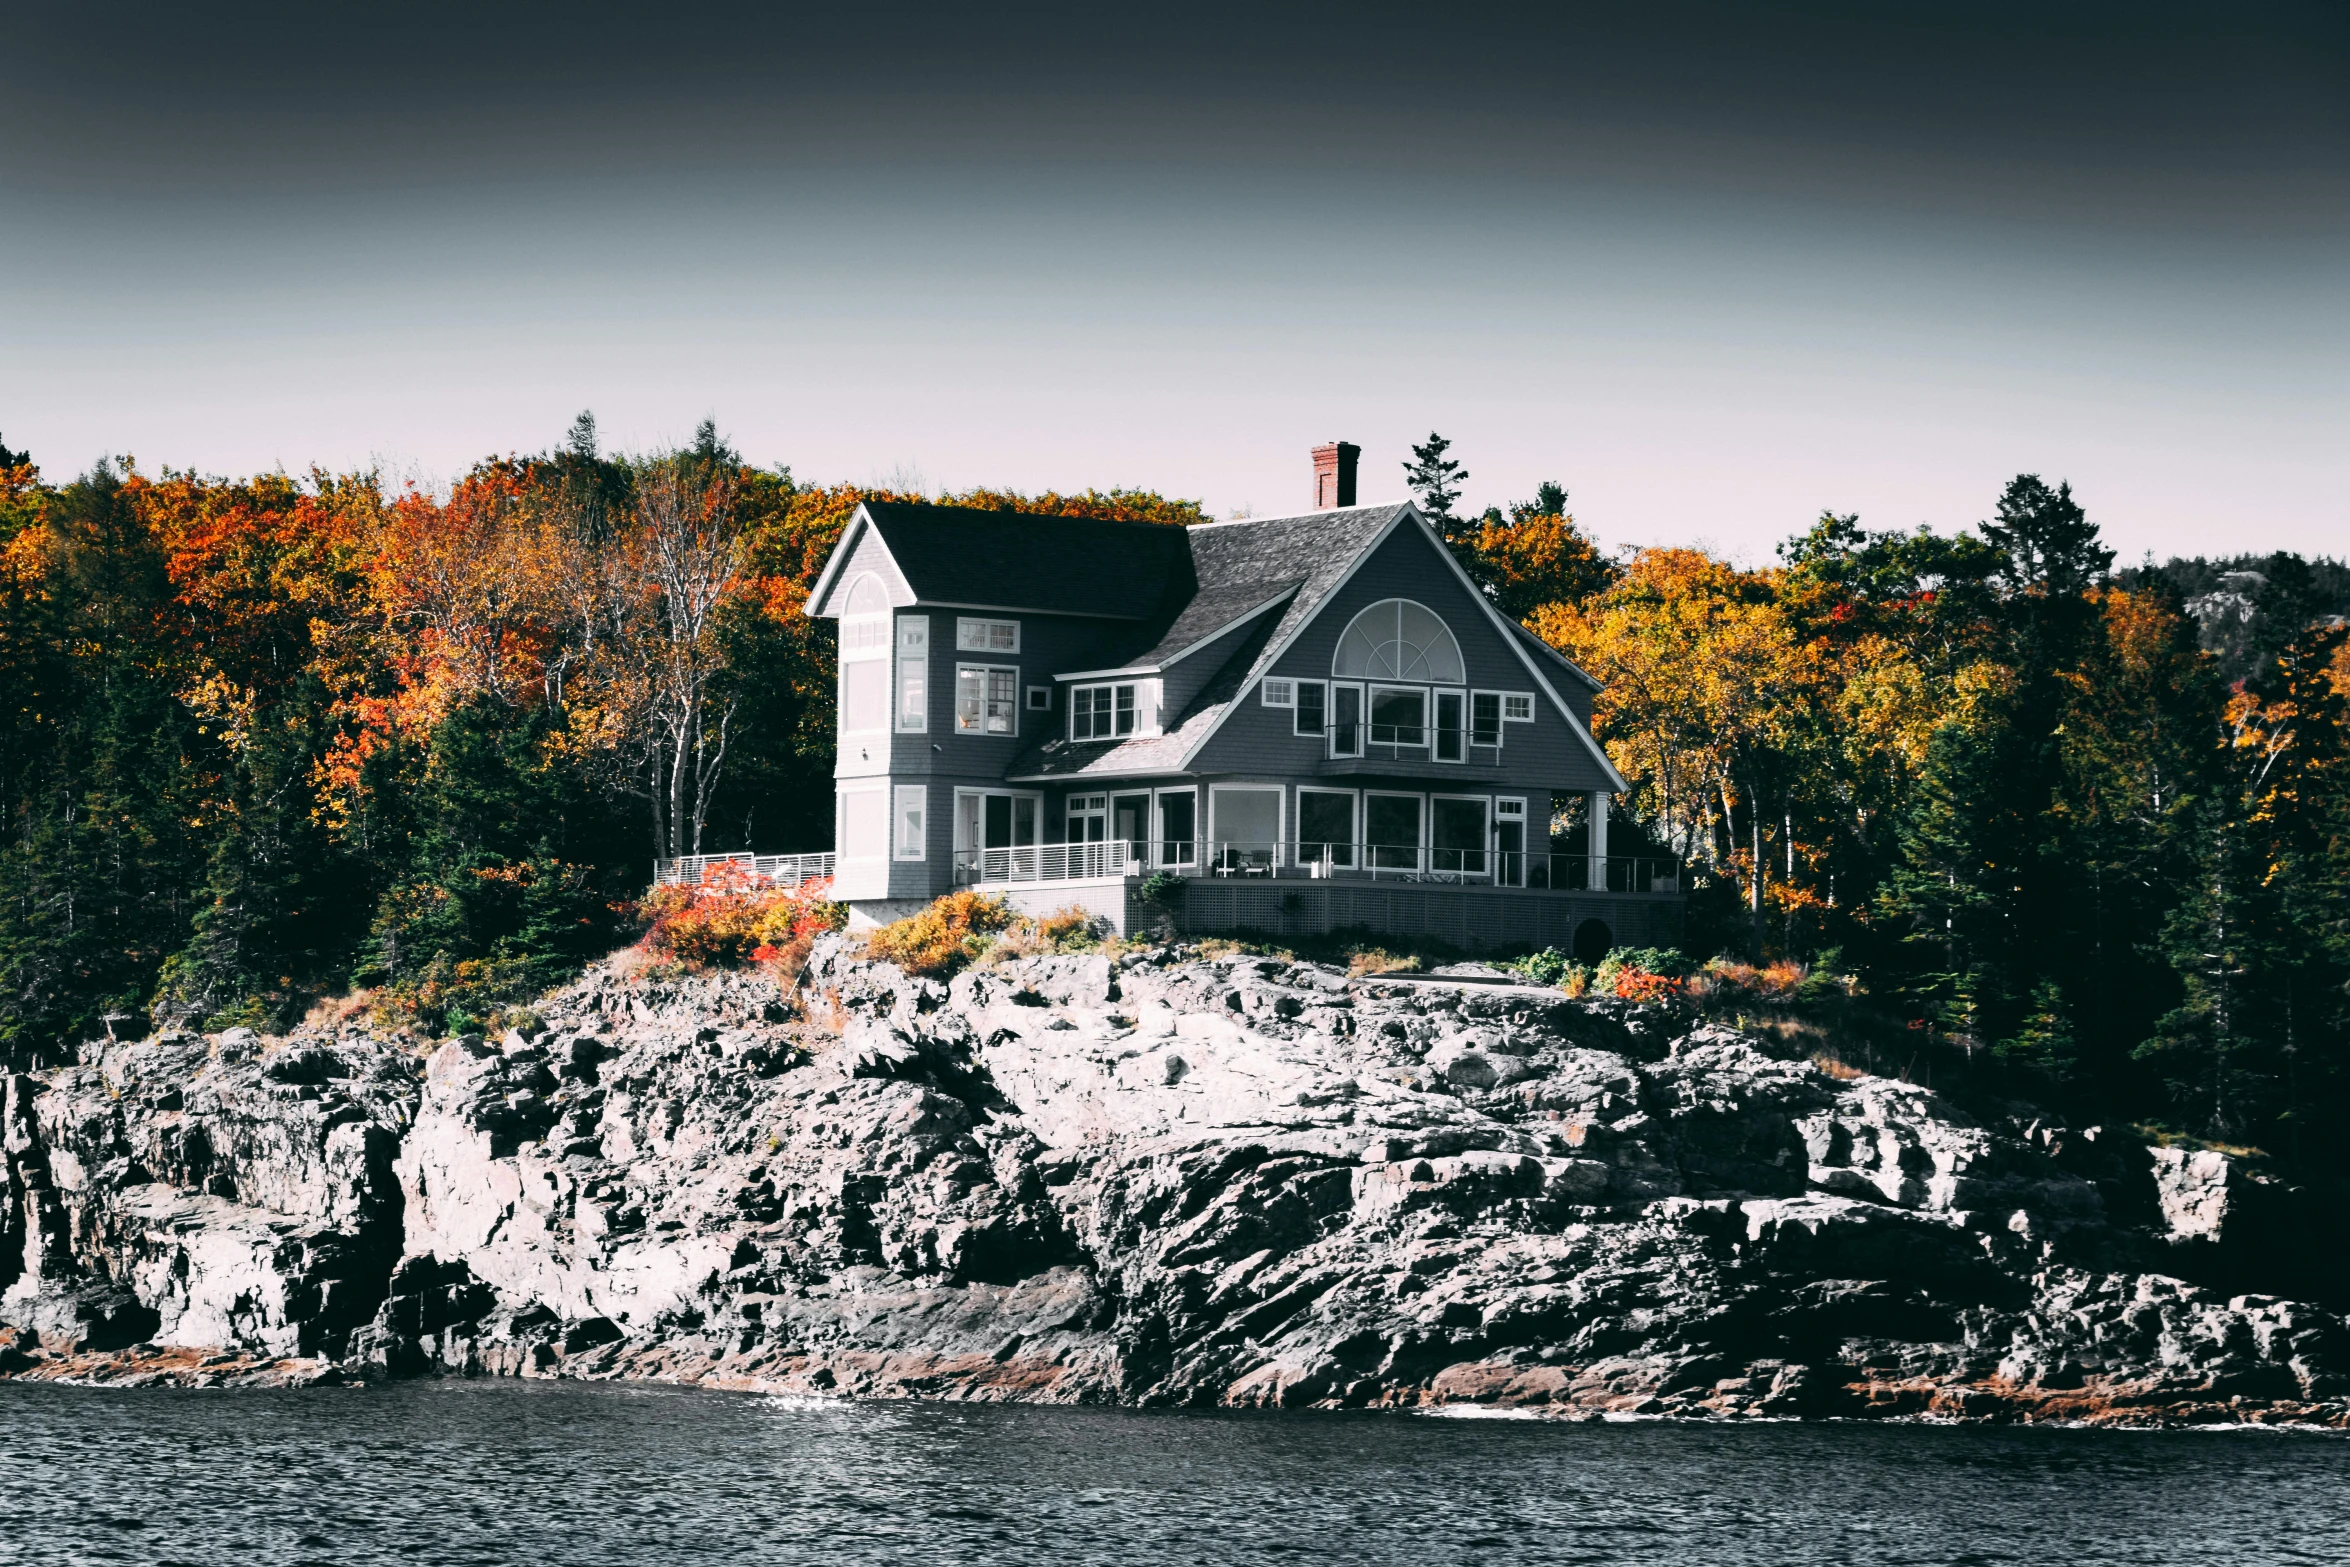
1020	560
1211	609
1233	562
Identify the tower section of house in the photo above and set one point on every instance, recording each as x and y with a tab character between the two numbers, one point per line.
954	624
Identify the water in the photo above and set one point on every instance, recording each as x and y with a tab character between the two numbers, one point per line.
550	1473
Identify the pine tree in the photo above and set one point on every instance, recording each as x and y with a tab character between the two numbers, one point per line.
1436	479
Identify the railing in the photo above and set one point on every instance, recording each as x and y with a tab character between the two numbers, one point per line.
782	870
1293	861
1049	862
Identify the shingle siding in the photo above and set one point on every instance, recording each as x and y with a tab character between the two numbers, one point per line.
1535	758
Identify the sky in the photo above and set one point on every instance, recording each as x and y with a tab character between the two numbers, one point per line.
1714	268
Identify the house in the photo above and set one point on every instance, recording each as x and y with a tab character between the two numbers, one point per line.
1313	722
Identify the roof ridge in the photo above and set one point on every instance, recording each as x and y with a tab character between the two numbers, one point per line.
1295	516
1036	516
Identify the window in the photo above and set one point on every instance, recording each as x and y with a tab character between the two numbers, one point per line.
1399	715
1391	829
864	825
864	617
1485	718
1279	693
909	814
1325	828
1245	823
1456	839
1398	639
864	696
987	636
1518	706
1101	712
1451	726
1310	711
1346	720
1178	840
913	673
1040	699
984	698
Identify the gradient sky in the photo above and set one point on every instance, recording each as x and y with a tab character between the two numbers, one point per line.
1714	268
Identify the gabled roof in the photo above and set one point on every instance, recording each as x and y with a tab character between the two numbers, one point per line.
966	557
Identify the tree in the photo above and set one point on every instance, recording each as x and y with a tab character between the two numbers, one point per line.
690	539
2050	544
1436	479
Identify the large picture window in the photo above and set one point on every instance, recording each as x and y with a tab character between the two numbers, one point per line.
1325	828
1101	712
1391	829
864	696
987	700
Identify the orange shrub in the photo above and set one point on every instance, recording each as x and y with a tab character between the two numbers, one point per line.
733	918
943	937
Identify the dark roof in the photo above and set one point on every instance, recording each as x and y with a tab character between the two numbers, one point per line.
1020	560
1211	610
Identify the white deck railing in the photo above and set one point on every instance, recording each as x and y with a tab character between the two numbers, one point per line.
781	870
1315	862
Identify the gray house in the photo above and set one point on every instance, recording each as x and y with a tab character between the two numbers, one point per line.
1315	722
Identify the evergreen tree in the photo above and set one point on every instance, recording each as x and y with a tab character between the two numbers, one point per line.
1436	479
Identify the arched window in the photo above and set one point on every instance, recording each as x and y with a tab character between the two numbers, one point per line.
1397	639
867	596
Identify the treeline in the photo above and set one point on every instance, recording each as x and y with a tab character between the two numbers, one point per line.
267	739
2093	825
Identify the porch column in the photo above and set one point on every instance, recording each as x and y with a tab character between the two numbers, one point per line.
1595	874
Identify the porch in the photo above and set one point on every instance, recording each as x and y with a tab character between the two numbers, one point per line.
1251	860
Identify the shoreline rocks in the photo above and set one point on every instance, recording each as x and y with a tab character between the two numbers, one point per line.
1238	1182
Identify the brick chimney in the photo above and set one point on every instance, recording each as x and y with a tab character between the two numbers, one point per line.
1334	474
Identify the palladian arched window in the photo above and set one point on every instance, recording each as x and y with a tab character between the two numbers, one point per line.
1398	639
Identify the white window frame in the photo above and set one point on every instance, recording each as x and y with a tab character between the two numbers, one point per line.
1024	865
905	798
1029	702
1330	720
1511	808
1134	706
976	634
1354	822
913	659
1280	811
1436	697
984	671
1297	723
877	661
1275	691
1370	855
1484	850
1426	742
1510	699
879	793
1500	724
867	633
1158	840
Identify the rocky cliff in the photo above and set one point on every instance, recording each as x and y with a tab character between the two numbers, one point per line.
1155	1180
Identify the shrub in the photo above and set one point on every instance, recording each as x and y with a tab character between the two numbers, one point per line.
1641	973
942	938
1553	967
1064	930
733	918
1378	960
1161	890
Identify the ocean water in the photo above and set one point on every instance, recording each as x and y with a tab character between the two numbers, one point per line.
503	1472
